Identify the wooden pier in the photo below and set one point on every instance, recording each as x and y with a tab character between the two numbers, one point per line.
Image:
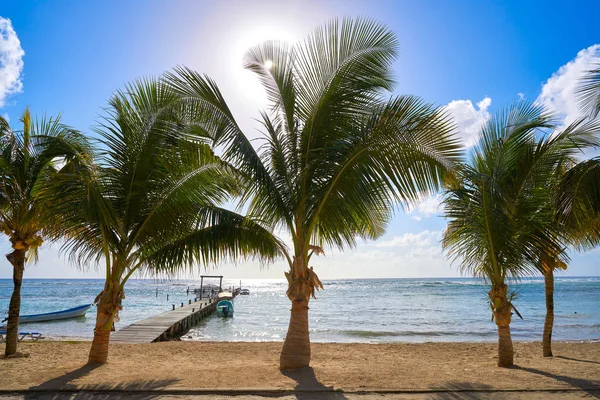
166	326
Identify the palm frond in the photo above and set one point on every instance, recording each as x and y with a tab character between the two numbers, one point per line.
588	92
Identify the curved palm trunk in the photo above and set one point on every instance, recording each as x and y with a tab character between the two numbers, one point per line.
549	322
109	305
17	259
502	311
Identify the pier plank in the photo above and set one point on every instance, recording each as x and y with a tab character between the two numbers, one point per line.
166	325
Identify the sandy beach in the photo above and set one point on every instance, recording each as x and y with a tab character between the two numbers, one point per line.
56	365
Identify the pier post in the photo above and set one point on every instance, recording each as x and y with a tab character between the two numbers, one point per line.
173	306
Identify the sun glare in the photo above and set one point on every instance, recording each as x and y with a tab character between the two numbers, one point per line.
247	84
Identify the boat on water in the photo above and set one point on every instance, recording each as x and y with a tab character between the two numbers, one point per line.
74	312
225	296
244	292
225	308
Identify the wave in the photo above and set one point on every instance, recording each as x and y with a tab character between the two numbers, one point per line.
377	334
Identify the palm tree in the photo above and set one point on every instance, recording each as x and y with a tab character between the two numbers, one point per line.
500	223
337	155
576	204
576	209
152	201
30	158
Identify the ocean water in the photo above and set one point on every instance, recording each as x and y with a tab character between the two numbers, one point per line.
370	311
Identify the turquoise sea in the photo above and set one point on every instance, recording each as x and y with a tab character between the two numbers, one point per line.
373	311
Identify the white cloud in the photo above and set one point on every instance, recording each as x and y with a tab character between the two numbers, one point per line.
421	239
426	207
521	96
558	93
469	119
11	61
430	206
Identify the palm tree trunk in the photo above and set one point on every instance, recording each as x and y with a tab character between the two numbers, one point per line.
296	347
17	259
505	347
549	322
502	310
108	305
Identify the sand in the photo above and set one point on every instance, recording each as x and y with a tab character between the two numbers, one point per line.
350	367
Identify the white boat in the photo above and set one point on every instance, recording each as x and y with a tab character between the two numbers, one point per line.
57	315
225	296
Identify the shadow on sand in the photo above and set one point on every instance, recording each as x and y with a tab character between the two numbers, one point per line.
591	387
308	385
460	390
578	360
139	389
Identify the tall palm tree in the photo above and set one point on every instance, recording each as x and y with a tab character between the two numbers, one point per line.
499	220
337	154
152	201
576	204
576	209
30	158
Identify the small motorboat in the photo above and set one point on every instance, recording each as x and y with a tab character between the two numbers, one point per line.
53	316
244	292
225	296
225	308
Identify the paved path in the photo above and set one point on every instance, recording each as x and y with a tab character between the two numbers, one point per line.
318	396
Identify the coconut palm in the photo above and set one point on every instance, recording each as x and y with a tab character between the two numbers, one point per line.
500	224
30	158
337	155
576	209
576	204
151	204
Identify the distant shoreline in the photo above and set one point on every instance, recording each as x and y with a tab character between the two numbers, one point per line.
166	280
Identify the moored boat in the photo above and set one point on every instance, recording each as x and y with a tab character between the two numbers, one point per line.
74	312
225	308
225	296
244	292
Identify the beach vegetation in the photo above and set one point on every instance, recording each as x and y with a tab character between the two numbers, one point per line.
30	159
338	154
152	203
576	203
502	224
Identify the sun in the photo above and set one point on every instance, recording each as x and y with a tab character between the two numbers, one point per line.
250	38
247	83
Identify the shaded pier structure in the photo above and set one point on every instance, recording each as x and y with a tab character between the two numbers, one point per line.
207	291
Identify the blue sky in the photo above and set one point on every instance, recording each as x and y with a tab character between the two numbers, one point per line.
473	56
